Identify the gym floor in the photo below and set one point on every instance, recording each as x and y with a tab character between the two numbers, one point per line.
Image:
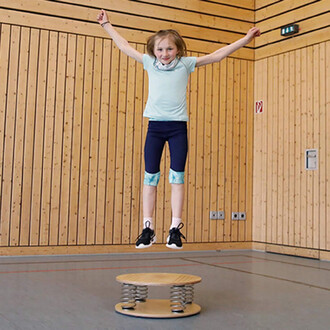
239	290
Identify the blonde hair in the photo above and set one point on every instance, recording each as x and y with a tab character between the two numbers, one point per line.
174	35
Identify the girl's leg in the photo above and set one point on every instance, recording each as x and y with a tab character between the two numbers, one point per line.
178	144
149	198
177	198
147	237
153	150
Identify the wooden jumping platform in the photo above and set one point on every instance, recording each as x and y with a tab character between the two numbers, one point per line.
135	302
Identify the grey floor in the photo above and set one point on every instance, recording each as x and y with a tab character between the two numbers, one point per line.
239	290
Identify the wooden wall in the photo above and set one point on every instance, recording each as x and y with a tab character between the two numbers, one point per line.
72	132
291	206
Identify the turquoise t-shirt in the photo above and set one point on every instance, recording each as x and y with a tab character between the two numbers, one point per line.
167	99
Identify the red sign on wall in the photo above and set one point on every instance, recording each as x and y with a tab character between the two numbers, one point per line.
259	106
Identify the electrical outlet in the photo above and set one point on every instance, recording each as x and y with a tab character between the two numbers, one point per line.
221	215
213	215
234	216
242	216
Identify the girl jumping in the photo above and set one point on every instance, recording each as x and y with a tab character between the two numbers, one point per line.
168	70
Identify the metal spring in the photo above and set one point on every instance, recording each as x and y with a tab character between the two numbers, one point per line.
128	293
178	298
141	293
189	293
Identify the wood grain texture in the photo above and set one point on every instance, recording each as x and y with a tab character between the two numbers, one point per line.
72	132
158	279
157	308
78	167
290	202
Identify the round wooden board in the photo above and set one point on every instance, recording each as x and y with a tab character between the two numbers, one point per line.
157	308
158	279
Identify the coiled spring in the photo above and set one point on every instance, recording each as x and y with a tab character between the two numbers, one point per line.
189	294
178	303
128	294
141	293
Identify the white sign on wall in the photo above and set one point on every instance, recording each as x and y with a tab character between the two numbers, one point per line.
311	159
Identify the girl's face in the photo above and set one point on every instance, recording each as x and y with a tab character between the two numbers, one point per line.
165	50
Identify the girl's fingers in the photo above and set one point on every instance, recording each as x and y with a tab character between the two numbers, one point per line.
102	15
255	31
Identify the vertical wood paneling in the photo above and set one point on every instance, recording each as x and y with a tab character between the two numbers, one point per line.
4	72
276	134
137	147
304	142
291	146
323	148
309	143
76	147
316	144
112	140
229	149
250	148
191	165
54	139
39	138
85	140
327	110
235	143
268	192
199	151
296	214
285	113
29	138
299	162
242	161
260	156
19	138
222	148
74	144
94	143
103	143
207	155
72	132
215	147
59	229
9	136
120	154
264	143
129	146
280	145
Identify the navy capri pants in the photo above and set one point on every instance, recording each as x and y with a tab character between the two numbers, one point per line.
160	132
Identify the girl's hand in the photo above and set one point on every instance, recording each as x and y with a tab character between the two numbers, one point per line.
102	17
252	33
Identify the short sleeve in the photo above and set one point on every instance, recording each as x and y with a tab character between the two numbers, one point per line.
147	61
190	63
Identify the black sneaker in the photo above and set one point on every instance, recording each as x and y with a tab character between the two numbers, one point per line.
174	238
147	238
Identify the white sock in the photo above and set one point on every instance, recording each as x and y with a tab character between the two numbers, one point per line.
150	224
175	222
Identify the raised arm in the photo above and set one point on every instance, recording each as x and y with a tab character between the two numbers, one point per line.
121	43
223	52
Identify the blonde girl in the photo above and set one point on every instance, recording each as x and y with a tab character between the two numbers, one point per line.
168	70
